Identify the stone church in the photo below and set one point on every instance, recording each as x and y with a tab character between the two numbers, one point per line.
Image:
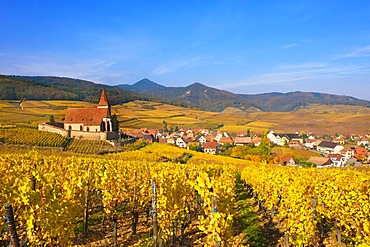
90	119
87	123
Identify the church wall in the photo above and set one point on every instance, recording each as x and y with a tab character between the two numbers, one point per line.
94	135
54	129
86	135
74	127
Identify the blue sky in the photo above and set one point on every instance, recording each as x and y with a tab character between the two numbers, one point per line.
240	46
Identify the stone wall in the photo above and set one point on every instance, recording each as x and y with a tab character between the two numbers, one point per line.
54	129
98	136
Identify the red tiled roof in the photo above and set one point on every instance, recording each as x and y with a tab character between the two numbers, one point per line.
360	151
225	140
210	145
86	116
286	159
103	99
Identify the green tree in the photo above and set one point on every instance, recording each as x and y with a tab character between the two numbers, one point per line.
165	126
115	122
264	147
249	133
193	146
51	119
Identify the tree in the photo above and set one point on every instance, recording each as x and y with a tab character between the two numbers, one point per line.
264	147
193	146
115	122
51	119
165	126
248	132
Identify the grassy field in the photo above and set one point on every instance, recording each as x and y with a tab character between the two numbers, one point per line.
141	114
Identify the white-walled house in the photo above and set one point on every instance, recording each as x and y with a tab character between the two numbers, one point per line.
329	147
180	143
338	160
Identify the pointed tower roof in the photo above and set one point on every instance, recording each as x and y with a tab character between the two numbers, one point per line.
103	100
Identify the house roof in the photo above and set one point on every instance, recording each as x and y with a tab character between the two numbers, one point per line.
335	156
240	139
86	116
210	145
327	144
293	136
225	140
319	161
286	159
103	99
360	150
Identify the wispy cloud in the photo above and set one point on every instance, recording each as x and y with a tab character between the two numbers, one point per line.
301	72
177	65
54	64
288	46
358	52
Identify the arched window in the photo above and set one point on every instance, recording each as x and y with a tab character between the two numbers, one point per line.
87	129
102	126
81	128
70	127
108	126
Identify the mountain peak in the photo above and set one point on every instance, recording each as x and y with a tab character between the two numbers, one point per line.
197	85
143	86
147	83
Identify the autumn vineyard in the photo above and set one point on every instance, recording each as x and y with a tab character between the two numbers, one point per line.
182	199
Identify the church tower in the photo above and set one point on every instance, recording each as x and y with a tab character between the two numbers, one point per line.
104	103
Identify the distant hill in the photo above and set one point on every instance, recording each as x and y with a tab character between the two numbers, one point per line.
212	99
57	88
196	94
293	101
143	86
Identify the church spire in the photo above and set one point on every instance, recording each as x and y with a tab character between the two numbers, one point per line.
103	103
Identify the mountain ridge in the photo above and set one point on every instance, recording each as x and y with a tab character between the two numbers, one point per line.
195	95
218	99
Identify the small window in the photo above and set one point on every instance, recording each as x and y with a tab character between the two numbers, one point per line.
81	128
87	129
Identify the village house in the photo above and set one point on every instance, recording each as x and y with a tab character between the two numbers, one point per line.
329	147
360	153
288	161
277	139
311	143
226	141
347	152
363	141
210	148
201	139
180	143
338	160
321	162
339	140
293	140
242	141
149	138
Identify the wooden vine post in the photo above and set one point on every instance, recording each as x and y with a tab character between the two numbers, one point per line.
135	214
14	239
87	202
214	210
154	212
